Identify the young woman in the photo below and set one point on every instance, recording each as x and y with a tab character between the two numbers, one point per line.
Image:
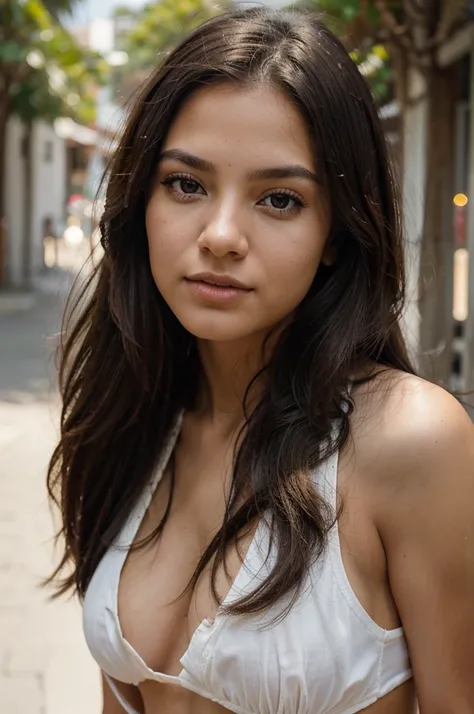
239	405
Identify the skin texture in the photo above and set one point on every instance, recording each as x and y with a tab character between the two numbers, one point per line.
420	473
406	476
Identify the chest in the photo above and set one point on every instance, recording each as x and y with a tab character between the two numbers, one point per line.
158	614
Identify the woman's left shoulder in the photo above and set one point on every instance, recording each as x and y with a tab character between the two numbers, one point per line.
414	452
413	430
411	418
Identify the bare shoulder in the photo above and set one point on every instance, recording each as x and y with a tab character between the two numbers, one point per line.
413	453
405	430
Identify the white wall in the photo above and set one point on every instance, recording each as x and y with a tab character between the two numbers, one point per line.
50	184
49	193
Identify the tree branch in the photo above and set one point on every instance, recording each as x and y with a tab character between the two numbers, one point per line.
398	33
417	6
415	12
389	19
11	74
6	81
451	19
401	36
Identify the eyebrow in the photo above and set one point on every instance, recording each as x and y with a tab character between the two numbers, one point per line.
276	172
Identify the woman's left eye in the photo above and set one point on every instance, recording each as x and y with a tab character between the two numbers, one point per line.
282	202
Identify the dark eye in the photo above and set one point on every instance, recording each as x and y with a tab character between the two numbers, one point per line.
182	185
187	185
280	201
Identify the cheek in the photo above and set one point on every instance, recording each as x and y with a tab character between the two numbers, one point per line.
163	246
291	269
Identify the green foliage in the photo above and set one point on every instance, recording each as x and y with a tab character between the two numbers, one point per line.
376	66
349	13
161	25
359	23
58	7
45	73
343	12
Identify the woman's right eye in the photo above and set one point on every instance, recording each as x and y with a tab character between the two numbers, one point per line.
183	185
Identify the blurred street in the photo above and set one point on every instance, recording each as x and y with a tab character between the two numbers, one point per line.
45	667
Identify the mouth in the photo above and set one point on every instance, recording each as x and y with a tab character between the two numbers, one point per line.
217	290
218	281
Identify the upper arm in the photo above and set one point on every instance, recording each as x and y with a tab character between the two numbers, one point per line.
111	705
426	523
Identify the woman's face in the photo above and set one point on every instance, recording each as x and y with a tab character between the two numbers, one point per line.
237	222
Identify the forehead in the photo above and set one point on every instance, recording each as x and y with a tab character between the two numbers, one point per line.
224	123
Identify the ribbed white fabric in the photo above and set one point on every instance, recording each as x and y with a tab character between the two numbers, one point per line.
327	656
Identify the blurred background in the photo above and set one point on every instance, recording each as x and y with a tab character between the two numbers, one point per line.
67	69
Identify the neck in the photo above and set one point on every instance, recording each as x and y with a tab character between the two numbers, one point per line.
228	369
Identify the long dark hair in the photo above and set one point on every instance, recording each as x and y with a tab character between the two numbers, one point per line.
128	366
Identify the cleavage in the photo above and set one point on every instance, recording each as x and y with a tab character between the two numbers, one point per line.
155	620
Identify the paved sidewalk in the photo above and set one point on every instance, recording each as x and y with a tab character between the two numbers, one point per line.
45	667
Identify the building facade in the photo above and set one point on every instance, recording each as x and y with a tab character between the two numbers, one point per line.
33	211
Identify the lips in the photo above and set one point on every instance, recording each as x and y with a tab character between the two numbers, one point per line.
220	281
220	285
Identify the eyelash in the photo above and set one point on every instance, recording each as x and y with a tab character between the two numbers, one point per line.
298	201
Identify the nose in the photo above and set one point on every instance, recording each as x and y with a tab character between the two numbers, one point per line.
222	235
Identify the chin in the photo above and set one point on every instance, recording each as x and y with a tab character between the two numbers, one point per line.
219	328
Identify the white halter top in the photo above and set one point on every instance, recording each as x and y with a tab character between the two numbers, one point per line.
327	656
